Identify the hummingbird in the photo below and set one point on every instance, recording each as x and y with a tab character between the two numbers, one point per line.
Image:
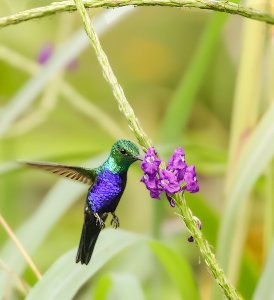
106	186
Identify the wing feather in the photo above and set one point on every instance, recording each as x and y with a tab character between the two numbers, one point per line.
87	176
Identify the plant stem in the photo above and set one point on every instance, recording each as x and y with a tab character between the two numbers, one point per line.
134	125
205	249
117	90
22	286
68	6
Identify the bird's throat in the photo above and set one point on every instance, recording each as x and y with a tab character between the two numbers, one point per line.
114	167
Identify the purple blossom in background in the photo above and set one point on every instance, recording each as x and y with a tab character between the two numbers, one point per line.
45	54
47	51
177	177
73	65
151	163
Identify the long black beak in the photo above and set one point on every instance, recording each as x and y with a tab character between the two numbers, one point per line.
139	157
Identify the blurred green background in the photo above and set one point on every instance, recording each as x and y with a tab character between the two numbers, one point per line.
188	75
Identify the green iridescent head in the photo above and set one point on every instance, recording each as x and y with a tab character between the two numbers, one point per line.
122	155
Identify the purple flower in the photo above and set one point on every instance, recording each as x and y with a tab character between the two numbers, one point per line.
168	182
45	54
177	164
151	163
171	201
155	194
177	160
180	175
152	185
191	180
150	182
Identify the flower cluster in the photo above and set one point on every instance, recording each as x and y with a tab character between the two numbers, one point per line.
178	176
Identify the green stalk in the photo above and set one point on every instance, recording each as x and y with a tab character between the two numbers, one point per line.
228	290
68	6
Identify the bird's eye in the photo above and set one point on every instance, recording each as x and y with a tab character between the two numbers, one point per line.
123	151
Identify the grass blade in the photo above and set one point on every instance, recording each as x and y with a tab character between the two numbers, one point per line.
65	278
260	148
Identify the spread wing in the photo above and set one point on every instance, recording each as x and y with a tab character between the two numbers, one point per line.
87	176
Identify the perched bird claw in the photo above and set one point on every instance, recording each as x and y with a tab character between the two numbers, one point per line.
115	221
99	221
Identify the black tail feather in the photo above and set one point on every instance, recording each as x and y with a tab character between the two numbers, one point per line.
90	233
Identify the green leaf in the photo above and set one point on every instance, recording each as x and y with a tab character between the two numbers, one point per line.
53	206
65	277
178	269
257	154
265	287
124	287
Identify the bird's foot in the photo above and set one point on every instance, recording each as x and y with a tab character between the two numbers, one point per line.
99	221
115	221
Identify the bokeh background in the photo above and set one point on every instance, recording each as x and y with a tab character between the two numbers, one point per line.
195	79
